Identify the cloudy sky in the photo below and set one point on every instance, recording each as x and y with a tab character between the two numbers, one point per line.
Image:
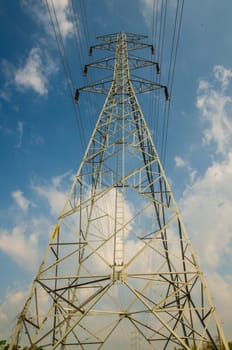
42	136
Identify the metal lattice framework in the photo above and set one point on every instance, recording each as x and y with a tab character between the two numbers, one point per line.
119	264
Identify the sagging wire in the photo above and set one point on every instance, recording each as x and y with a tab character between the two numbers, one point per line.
171	73
90	99
67	70
159	24
160	10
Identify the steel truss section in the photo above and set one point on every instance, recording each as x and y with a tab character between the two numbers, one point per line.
119	263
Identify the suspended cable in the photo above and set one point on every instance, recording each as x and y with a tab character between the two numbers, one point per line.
90	100
161	50
77	23
70	82
67	70
151	103
76	33
85	23
159	123
78	44
172	65
155	124
160	34
61	45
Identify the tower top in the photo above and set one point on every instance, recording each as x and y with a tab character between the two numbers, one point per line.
115	36
121	44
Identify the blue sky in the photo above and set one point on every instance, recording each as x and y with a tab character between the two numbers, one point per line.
40	135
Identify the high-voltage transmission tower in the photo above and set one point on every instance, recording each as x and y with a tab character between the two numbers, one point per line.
119	262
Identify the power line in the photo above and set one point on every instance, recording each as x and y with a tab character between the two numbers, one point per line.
78	43
67	70
160	37
76	33
171	71
83	23
161	109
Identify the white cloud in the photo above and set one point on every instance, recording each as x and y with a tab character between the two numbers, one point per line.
62	14
215	108
19	247
55	198
21	201
55	193
207	209
184	164
34	74
221	288
147	7
204	85
206	203
179	162
10	307
223	75
24	242
58	9
57	180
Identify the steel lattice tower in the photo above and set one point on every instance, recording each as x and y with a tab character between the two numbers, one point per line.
119	261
